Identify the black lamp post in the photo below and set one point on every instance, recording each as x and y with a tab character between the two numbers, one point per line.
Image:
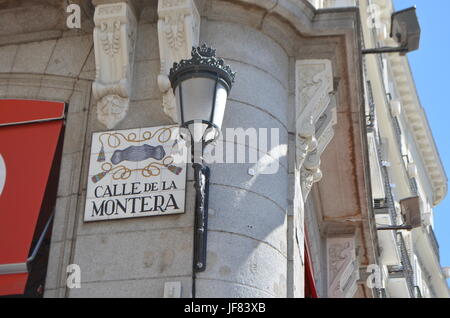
201	86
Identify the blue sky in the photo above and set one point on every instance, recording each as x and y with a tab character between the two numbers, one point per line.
431	69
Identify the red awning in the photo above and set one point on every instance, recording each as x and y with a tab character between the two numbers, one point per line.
29	133
310	282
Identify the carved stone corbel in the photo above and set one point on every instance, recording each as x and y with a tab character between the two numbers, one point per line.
178	32
314	83
324	133
315	118
311	173
343	268
114	42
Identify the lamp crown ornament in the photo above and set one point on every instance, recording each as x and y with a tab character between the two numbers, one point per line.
203	59
204	51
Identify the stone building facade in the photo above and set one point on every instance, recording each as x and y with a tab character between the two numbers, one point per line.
405	163
299	70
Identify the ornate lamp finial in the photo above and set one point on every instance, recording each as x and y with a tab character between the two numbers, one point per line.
203	60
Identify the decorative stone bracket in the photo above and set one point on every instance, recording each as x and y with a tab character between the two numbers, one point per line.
178	32
315	118
315	111
324	133
343	268
114	42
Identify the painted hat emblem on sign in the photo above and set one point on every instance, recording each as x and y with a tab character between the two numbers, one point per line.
2	174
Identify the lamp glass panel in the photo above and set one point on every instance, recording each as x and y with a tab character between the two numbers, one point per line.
221	101
196	100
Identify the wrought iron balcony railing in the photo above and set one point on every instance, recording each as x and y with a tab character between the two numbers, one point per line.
407	268
413	186
389	197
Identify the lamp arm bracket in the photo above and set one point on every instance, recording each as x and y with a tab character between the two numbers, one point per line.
381	50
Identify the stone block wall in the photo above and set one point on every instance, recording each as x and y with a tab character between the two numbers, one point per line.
255	239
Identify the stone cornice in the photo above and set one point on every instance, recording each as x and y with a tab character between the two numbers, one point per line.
307	20
418	123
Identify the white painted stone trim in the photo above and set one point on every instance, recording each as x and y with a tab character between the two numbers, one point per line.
178	32
315	118
343	268
114	42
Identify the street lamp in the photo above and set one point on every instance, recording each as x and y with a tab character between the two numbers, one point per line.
412	215
201	86
405	30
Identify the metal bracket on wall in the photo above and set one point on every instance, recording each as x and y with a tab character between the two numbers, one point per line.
201	185
395	228
381	50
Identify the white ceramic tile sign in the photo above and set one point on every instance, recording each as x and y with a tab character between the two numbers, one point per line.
135	173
